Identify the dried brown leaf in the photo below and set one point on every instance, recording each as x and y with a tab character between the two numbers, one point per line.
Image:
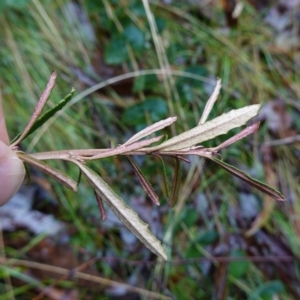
144	182
101	207
254	182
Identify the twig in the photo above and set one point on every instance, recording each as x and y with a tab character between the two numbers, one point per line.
285	141
84	276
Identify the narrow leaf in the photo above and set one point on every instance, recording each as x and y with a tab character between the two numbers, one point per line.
79	177
101	207
123	212
166	183
144	182
38	109
48	114
56	174
180	157
254	182
210	103
52	111
220	125
176	184
248	130
122	150
151	129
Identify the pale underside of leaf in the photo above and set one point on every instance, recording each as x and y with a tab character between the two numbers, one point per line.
56	174
151	129
220	125
123	212
210	103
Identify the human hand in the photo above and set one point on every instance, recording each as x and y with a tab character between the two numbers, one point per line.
12	170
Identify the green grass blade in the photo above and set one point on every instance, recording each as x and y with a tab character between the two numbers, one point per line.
176	184
166	183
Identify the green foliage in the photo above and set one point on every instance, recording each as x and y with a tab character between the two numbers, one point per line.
187	86
136	115
139	84
161	24
12	4
238	268
116	50
189	285
208	237
203	239
145	83
135	37
175	183
190	217
137	8
267	290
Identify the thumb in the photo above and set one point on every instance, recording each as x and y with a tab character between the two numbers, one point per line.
12	173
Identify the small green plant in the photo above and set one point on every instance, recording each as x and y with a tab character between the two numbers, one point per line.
178	147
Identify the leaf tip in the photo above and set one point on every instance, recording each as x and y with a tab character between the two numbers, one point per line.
164	256
281	198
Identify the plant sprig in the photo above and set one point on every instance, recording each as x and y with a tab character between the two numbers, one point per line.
177	147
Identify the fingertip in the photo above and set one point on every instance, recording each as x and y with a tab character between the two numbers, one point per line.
12	173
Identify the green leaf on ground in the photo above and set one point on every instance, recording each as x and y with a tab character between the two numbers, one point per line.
156	108
267	290
238	268
116	51
135	37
